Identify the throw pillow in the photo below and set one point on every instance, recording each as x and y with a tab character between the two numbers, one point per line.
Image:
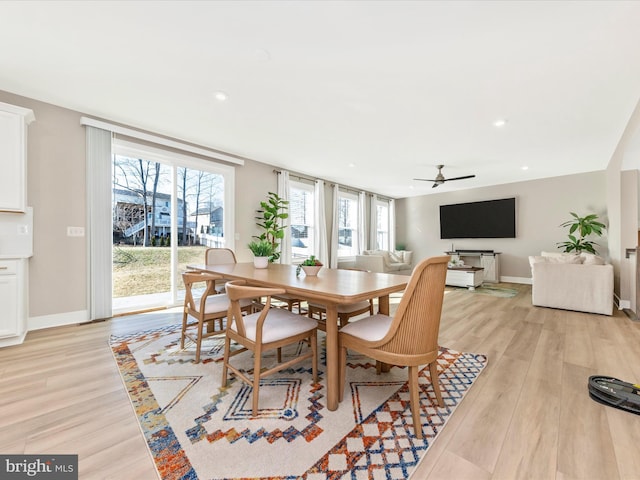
407	256
591	259
396	257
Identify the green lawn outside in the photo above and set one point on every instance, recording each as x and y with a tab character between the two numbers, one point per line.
144	270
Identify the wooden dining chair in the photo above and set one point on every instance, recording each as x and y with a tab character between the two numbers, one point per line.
409	338
219	256
267	329
204	312
345	312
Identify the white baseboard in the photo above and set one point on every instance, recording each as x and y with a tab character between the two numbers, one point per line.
524	280
57	320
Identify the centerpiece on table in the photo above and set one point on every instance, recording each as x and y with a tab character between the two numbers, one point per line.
311	266
262	250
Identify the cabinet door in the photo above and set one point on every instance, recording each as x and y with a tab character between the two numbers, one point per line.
12	162
9	305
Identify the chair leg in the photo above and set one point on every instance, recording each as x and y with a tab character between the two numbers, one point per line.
433	370
225	360
415	400
313	338
343	373
256	381
279	355
199	340
184	329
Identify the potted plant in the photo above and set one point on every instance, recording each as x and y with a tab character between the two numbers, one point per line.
272	212
311	266
262	250
585	226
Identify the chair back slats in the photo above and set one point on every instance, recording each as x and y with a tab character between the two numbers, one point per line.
219	256
238	290
189	278
416	324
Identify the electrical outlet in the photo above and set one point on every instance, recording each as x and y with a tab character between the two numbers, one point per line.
75	231
23	229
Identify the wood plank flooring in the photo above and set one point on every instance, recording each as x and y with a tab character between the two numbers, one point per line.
528	416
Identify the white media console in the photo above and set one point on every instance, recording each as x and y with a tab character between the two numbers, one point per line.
485	259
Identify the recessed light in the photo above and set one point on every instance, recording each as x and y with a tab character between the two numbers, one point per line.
524	168
499	123
220	96
351	165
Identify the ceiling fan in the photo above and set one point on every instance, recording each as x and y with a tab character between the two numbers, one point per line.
439	180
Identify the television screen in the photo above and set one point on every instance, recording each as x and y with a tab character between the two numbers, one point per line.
488	219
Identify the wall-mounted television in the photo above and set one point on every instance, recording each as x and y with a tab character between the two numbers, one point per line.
487	219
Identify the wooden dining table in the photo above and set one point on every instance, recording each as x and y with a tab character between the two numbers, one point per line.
331	287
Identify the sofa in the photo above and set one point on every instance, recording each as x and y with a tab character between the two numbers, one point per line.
581	282
383	261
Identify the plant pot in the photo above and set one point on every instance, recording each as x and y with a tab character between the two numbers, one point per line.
311	270
260	262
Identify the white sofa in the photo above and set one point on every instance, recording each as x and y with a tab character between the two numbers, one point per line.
572	282
383	261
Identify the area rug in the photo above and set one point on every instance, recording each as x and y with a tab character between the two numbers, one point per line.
196	429
494	291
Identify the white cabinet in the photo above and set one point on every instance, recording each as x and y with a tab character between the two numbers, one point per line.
486	259
13	157
13	301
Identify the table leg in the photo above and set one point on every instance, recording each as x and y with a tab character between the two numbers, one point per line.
333	357
383	304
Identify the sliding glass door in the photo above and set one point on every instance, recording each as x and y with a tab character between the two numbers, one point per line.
167	210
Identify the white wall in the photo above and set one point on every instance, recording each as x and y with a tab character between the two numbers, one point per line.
541	206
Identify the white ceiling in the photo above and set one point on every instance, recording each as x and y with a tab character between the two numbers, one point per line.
393	88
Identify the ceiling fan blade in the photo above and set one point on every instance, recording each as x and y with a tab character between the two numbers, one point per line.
435	184
425	179
459	178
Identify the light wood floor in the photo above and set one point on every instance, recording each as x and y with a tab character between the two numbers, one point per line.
528	415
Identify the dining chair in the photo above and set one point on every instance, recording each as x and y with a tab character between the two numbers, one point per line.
345	312
264	330
219	256
409	338
204	312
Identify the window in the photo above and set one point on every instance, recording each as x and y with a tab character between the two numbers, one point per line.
347	224
301	220
382	224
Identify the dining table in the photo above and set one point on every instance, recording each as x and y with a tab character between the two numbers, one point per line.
330	287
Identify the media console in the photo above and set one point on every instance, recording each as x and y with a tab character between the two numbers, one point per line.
485	259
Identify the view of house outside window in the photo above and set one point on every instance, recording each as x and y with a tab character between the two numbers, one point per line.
301	220
347	224
143	230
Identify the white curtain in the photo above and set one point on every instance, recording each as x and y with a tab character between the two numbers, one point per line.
100	231
362	222
334	226
373	223
320	232
392	224
283	193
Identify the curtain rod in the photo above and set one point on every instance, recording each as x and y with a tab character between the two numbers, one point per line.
333	184
167	142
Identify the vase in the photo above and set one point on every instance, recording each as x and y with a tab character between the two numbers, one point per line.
260	262
311	270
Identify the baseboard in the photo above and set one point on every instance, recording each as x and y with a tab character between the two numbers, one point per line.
57	320
523	280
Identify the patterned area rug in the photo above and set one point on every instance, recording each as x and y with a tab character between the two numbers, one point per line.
197	430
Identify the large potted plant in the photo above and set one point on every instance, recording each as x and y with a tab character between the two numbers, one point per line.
272	212
583	226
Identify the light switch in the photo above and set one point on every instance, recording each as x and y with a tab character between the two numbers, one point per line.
75	231
23	229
